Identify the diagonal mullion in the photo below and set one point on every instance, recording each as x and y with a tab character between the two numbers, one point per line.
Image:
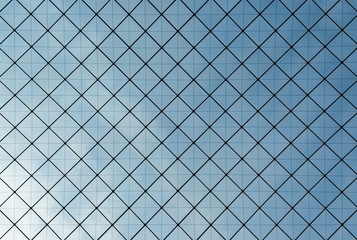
47	191
300	165
273	160
291	47
98	12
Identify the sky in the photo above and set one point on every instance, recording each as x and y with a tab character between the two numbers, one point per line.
178	120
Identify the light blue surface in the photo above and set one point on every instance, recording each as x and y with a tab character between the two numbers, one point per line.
183	120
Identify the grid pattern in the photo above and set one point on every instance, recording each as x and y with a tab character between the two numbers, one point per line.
178	119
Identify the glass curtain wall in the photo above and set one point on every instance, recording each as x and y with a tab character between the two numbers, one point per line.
148	119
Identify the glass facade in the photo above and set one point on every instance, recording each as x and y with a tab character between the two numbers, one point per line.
208	119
